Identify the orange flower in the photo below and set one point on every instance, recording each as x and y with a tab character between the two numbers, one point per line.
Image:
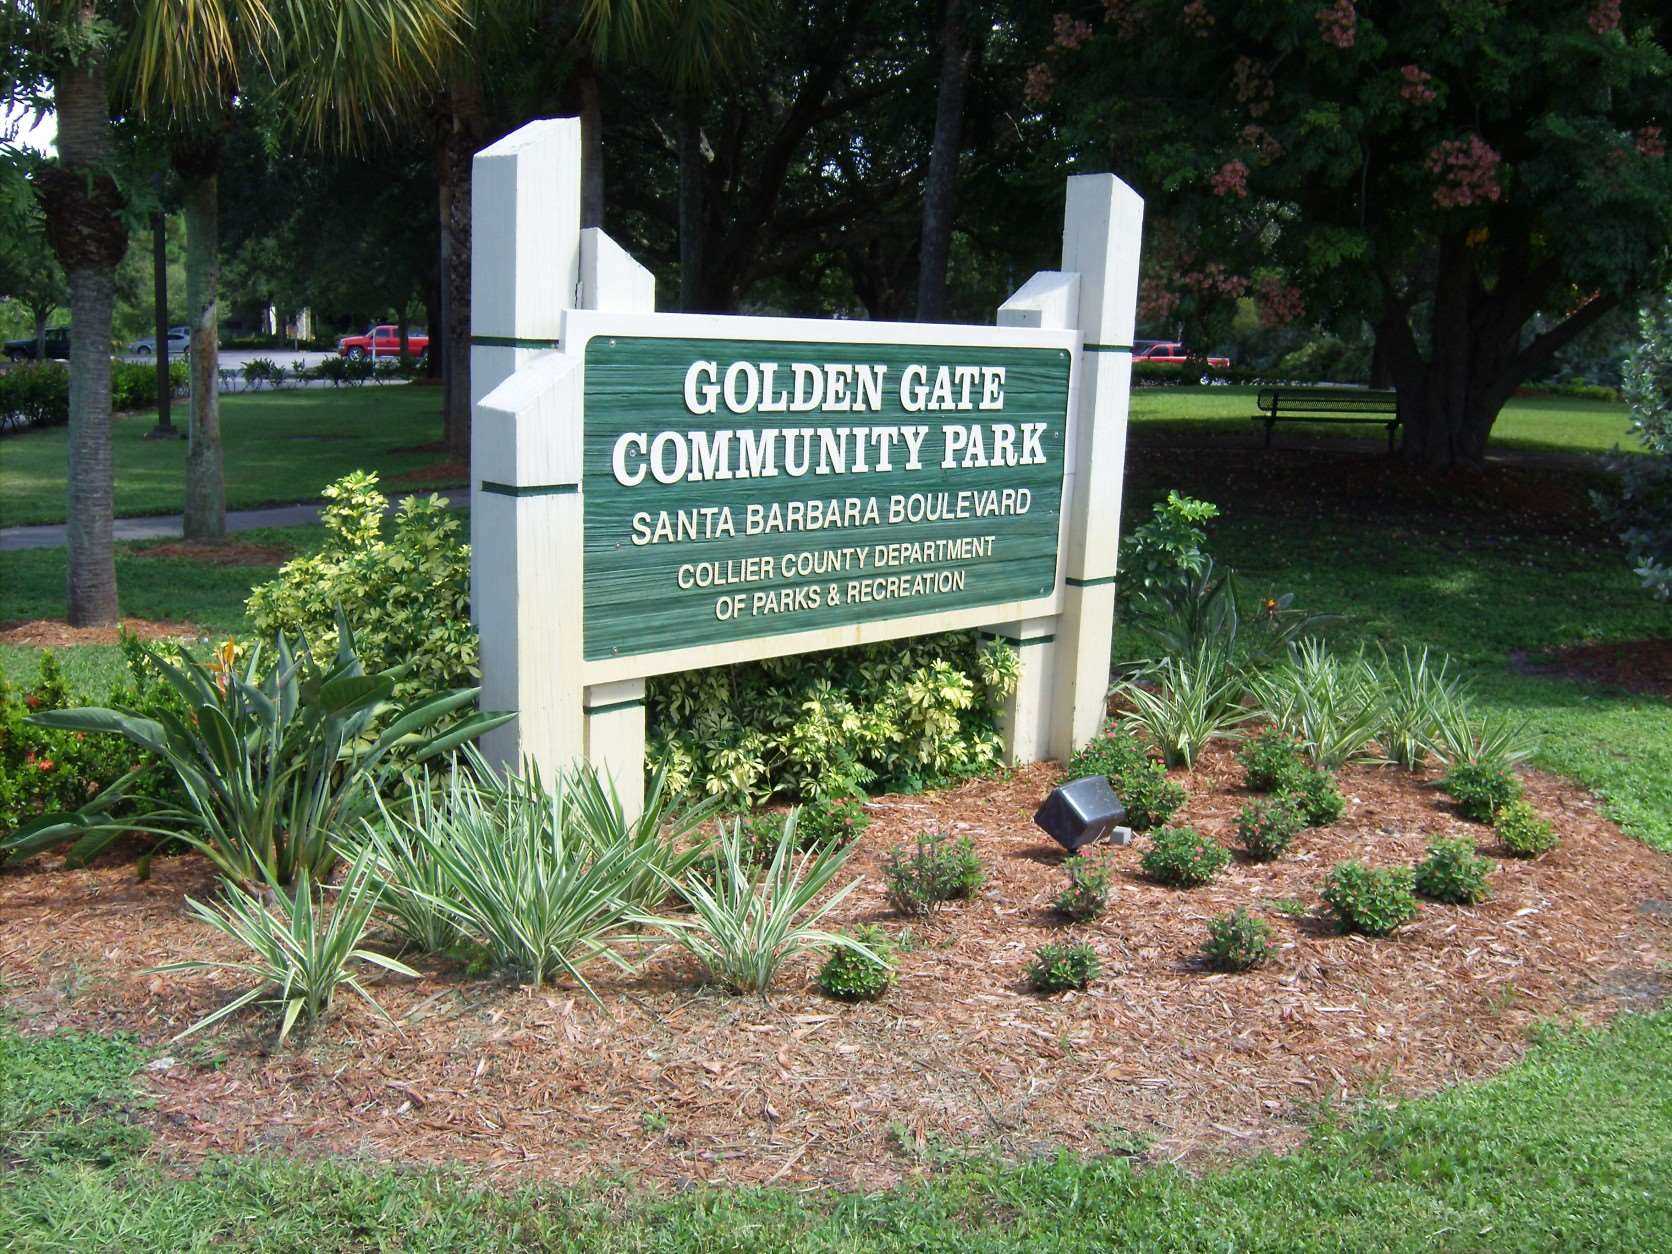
44	764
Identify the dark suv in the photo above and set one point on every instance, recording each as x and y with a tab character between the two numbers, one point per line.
57	345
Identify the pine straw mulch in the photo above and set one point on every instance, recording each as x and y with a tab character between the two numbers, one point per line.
679	1084
54	633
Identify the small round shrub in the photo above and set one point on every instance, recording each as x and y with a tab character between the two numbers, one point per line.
850	976
1183	857
933	873
1112	754
1523	832
1453	872
1266	828
1268	758
1373	901
1480	790
1056	968
1087	894
831	821
1237	941
1149	796
1315	795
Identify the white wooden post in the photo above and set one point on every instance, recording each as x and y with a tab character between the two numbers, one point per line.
525	515
612	281
1060	696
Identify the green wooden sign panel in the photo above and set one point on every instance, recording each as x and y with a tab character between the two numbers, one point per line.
742	488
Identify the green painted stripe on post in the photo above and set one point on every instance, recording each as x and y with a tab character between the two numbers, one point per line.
614	706
1108	348
1090	583
529	489
1019	643
512	341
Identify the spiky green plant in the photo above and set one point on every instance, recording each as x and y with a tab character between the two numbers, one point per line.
547	879
1333	706
753	918
1417	690
1466	736
1186	702
299	951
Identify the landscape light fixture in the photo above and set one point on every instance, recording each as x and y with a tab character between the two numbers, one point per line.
1083	812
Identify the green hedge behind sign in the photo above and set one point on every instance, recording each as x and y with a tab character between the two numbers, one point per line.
743	488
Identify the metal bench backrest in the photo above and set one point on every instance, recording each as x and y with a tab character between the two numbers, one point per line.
1327	401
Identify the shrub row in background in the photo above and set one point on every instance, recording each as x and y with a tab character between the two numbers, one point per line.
37	394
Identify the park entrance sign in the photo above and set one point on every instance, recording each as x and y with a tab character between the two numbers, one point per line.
663	492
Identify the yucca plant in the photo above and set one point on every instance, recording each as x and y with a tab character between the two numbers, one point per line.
547	879
1417	689
1333	706
1196	699
275	762
1465	736
300	951
753	918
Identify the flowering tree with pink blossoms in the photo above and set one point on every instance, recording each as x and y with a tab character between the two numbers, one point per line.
1481	181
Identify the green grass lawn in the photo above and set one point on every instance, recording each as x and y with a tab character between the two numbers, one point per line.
1570	1149
1532	423
280	447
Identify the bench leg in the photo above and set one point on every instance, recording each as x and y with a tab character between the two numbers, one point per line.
1393	428
1270	423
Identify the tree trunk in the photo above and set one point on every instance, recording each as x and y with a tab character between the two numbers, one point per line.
691	175
205	474
943	166
461	137
41	316
434	319
159	322
83	205
592	144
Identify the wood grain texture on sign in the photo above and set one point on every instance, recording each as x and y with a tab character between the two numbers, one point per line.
633	601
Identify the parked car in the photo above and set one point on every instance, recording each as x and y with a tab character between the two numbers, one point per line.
179	343
384	341
57	345
1171	353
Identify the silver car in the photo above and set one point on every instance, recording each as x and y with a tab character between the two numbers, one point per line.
179	342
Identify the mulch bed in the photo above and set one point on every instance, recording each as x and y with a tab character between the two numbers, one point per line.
1634	665
218	552
446	472
53	633
680	1084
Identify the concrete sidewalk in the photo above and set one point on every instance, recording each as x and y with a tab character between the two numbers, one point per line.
161	526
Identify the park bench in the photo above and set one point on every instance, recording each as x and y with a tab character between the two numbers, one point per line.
1316	404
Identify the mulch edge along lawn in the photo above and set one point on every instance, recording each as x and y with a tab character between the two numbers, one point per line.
1571	1147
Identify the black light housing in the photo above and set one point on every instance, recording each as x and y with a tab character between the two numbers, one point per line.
1083	812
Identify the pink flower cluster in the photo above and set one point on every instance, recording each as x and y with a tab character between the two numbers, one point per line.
1604	17
1338	23
1156	302
1252	86
1416	89
1231	179
1213	279
1124	16
1277	303
1467	170
1195	14
1036	89
1261	141
1069	32
1650	142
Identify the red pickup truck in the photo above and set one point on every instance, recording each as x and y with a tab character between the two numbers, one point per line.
384	341
1172	353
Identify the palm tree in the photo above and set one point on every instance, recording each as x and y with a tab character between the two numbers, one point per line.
341	68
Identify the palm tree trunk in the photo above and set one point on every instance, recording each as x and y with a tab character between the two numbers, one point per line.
936	239
691	174
205	473
592	144
83	204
